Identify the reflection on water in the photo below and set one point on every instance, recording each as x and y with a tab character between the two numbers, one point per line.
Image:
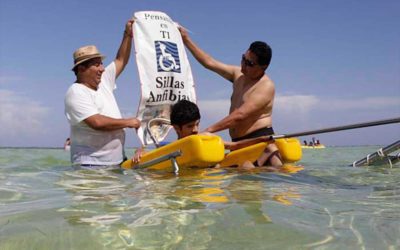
141	209
45	204
157	209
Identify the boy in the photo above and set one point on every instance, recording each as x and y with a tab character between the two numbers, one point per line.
185	119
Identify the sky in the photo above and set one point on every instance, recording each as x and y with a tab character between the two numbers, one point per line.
334	62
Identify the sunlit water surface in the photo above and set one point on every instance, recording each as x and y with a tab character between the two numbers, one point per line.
46	204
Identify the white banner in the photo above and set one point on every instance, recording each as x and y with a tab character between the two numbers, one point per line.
164	71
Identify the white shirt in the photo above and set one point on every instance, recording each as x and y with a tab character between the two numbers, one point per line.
90	146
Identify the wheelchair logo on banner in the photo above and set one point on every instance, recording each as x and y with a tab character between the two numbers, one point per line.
167	57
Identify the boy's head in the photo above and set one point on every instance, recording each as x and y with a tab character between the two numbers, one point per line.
185	118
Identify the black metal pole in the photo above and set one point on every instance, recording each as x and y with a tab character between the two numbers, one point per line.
339	128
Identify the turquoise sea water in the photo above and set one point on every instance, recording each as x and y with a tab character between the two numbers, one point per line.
45	204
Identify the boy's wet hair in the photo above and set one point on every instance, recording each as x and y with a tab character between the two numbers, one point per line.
183	112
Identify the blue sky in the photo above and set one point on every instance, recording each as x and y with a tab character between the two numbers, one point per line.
334	62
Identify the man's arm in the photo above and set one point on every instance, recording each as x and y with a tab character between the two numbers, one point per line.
105	123
124	50
224	70
254	103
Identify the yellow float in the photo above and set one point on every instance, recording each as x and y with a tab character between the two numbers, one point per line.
289	148
200	151
192	151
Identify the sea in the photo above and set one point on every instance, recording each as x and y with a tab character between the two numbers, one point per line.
47	204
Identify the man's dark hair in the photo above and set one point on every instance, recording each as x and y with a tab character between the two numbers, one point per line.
262	51
183	112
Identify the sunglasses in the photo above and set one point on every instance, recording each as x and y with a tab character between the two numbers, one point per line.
247	62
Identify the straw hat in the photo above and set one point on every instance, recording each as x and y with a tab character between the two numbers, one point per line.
86	53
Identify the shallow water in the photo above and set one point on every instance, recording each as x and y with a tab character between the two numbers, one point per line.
45	204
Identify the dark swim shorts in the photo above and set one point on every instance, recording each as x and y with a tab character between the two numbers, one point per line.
256	133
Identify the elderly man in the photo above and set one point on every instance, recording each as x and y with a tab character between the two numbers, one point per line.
253	94
97	135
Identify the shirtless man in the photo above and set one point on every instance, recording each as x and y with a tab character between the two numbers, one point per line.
252	99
